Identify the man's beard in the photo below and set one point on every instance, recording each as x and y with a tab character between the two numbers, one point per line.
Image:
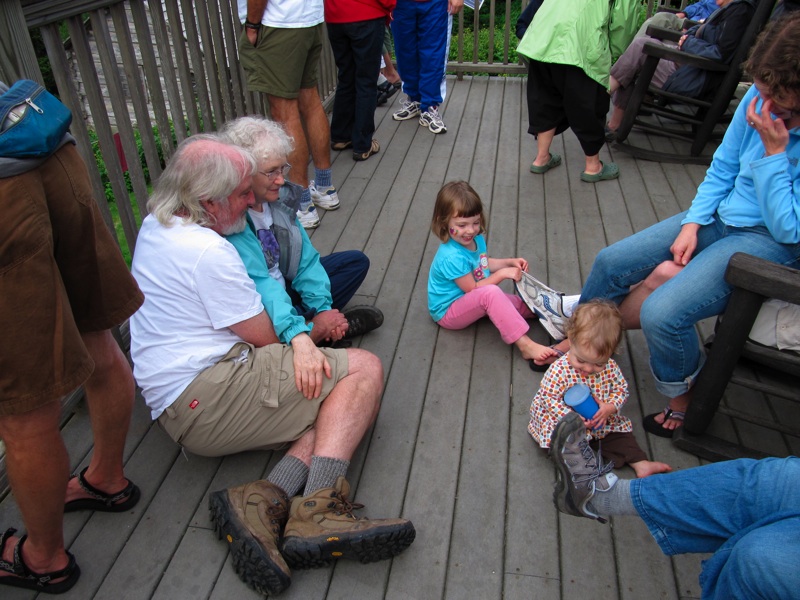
237	226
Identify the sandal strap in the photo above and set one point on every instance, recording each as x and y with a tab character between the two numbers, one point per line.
100	495
17	567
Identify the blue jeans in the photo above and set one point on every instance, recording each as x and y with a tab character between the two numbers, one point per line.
346	272
357	49
699	291
747	512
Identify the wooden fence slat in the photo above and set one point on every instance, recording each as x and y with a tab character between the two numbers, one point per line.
199	63
138	101
102	123
168	67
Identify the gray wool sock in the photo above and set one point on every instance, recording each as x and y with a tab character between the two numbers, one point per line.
614	501
289	474
324	472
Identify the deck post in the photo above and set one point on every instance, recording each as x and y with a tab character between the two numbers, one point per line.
17	57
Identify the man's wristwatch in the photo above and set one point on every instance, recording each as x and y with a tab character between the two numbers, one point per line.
251	25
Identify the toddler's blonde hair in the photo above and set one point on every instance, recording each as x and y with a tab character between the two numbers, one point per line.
596	324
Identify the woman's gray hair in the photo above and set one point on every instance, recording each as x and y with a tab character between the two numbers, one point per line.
205	167
266	140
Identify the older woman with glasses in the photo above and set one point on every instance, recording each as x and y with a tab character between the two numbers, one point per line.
302	292
749	202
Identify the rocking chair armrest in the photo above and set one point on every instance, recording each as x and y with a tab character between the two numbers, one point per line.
663	33
684	58
763	277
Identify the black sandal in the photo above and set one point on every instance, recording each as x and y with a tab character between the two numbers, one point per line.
101	501
23	577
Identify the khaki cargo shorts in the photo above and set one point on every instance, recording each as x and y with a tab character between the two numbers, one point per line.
247	401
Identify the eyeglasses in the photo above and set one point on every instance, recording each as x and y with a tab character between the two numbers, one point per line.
282	171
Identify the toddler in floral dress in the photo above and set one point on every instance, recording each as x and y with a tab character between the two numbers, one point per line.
594	332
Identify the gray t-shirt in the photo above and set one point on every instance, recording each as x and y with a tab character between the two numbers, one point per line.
16	166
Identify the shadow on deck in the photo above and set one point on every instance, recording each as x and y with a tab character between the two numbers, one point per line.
450	448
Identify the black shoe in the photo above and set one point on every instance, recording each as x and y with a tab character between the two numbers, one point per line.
362	319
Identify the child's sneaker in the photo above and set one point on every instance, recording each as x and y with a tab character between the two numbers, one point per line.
408	110
325	198
308	217
431	119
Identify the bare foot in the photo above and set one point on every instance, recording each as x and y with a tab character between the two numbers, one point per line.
534	351
561	349
645	468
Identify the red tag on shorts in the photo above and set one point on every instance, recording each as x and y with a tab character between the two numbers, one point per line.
193	404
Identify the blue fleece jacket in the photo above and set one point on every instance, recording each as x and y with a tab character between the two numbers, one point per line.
746	188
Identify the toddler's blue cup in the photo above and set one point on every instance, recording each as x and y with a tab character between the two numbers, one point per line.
580	398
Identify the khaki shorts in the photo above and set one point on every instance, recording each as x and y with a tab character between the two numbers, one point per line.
247	401
61	274
283	61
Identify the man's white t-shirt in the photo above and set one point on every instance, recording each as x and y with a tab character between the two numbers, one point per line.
289	14
195	286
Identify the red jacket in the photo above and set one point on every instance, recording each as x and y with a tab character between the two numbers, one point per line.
351	11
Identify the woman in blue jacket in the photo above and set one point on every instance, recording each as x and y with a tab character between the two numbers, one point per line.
749	202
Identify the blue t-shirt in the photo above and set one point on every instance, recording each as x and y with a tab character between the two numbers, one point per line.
451	262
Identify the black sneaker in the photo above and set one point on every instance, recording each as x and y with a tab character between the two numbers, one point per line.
362	319
579	472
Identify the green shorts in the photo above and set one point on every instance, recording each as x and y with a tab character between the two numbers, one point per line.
248	401
283	61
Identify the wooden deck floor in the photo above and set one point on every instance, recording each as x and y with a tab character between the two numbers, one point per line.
450	448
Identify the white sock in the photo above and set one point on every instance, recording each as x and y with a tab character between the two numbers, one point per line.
568	304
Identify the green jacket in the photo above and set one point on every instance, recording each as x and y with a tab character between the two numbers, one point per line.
583	33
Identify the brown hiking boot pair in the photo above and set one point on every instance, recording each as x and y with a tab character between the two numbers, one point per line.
320	529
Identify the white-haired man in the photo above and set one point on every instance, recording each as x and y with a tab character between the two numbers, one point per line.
215	376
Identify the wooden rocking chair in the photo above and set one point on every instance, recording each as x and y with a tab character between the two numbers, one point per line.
701	115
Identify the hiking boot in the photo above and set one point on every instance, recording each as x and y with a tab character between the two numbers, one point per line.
324	197
431	119
308	218
547	303
251	517
323	528
408	110
579	472
361	320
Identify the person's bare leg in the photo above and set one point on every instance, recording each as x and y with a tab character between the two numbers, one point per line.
389	71
317	128
631	306
286	111
616	118
38	467
109	394
543	142
593	165
351	407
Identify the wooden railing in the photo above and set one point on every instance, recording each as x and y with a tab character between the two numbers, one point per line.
145	67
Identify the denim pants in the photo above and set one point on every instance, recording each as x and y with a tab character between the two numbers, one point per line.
747	512
357	49
347	271
699	291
